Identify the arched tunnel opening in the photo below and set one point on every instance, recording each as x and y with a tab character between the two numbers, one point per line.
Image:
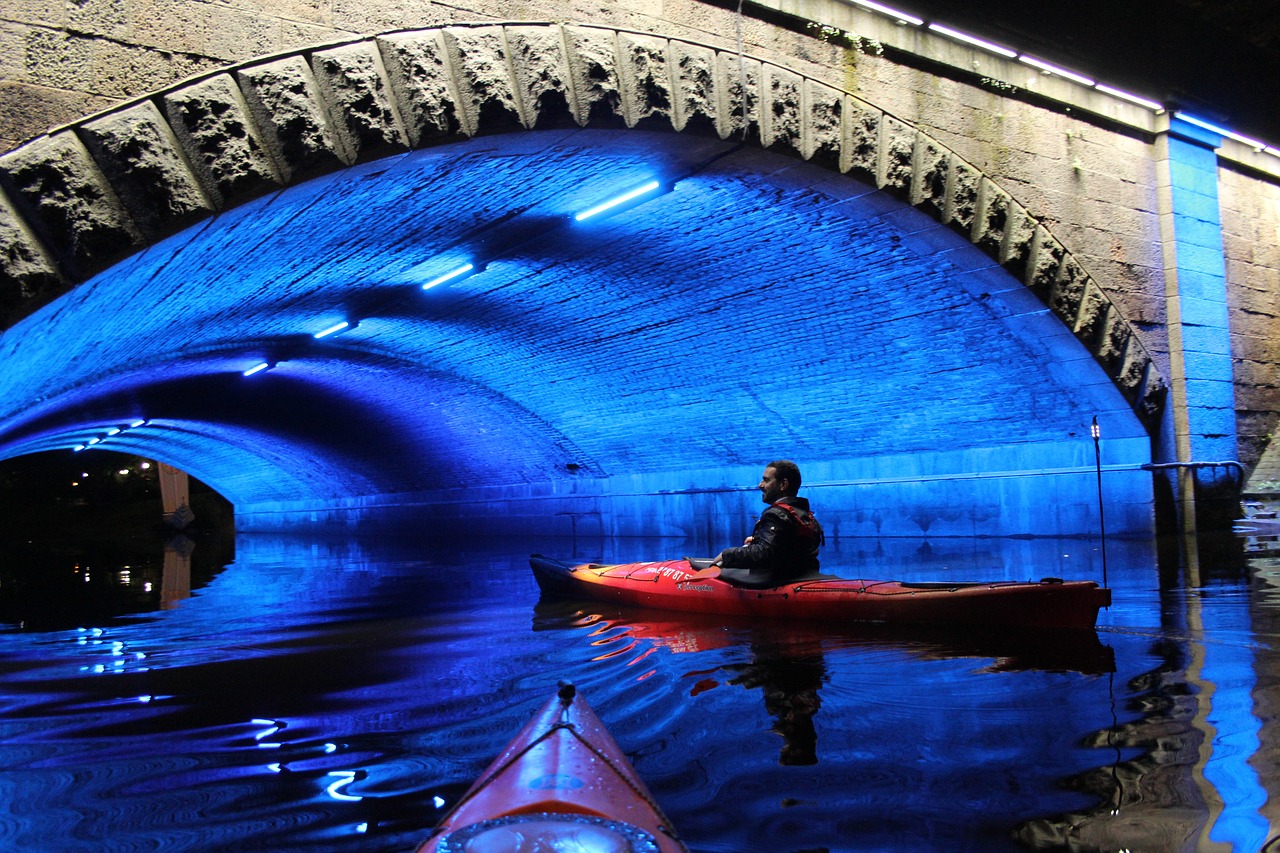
626	373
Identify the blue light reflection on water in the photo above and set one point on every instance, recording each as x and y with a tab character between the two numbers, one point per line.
339	695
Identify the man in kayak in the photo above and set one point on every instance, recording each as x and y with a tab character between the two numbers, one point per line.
784	544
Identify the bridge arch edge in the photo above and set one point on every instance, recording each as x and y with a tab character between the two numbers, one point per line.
85	196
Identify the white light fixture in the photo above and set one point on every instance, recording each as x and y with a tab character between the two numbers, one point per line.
332	330
139	422
892	13
452	275
80	447
1221	131
973	40
114	431
630	195
258	368
1055	70
1129	96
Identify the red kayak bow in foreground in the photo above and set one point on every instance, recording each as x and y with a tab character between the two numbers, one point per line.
686	585
561	784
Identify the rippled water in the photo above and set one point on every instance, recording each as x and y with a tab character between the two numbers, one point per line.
339	695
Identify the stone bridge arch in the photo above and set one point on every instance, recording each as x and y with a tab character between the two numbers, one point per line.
85	196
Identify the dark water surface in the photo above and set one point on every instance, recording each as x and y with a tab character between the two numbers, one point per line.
338	695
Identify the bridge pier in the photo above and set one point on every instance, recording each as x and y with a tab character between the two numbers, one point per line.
1197	447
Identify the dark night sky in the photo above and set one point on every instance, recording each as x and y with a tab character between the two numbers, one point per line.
1216	59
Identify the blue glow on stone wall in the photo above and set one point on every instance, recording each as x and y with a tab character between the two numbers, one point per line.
754	307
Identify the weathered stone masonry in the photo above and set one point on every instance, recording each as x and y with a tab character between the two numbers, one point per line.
81	198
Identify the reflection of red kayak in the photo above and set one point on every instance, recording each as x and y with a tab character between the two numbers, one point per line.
676	585
562	784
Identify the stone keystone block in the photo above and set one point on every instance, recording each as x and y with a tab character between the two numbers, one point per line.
421	78
58	188
351	79
211	120
142	160
284	100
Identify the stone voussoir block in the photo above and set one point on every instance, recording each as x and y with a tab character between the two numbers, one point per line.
211	120
897	156
1091	315
824	127
541	69
648	97
141	158
352	81
1042	265
58	188
962	196
930	173
422	81
488	102
1115	338
991	217
740	102
1068	290
28	277
593	68
285	102
1017	246
860	139
782	112
698	88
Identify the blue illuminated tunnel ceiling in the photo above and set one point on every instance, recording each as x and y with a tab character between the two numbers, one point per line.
752	306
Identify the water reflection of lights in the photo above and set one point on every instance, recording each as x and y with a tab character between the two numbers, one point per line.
344	778
273	727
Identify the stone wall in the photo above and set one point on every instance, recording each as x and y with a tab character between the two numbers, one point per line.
1251	240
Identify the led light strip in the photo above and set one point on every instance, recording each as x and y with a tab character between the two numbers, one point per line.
110	432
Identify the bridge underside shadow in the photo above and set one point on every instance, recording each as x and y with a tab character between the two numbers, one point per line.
626	374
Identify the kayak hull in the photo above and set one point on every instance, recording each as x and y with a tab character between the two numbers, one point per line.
673	585
561	781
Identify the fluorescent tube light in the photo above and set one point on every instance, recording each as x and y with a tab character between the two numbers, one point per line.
976	42
1053	69
332	330
114	431
1128	96
1222	131
892	13
458	273
80	447
618	200
139	422
258	368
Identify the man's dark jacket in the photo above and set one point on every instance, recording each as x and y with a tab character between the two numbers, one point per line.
784	544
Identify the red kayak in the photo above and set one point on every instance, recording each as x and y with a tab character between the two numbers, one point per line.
562	784
682	585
